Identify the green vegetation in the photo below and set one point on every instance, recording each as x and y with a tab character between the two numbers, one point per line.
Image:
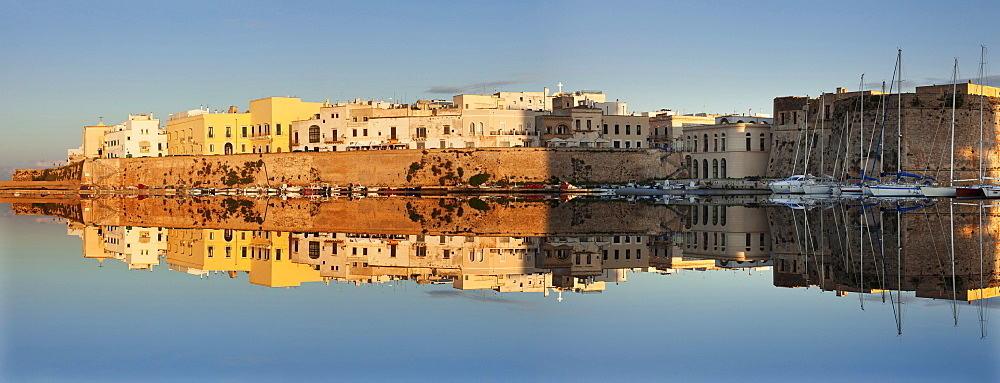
478	179
479	204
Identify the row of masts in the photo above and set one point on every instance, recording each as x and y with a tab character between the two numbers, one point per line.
903	184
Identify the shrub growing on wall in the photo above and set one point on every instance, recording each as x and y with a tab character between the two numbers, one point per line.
478	179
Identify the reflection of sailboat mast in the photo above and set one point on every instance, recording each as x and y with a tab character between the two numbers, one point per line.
899	273
980	303
954	291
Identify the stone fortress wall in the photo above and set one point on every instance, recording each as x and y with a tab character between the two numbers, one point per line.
833	134
431	167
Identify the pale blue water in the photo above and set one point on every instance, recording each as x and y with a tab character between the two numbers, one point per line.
65	318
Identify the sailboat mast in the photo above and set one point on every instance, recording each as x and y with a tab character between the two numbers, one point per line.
899	112
822	134
982	100
861	131
954	98
808	148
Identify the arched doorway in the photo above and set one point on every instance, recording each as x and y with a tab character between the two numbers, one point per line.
228	148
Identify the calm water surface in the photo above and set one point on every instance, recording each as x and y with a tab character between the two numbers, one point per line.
687	290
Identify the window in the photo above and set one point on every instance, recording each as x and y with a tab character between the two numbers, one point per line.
761	141
638	130
313	134
723	141
211	132
605	128
628	129
313	249
588	124
715	142
748	142
705	145
715	168
724	168
704	167
695	170
364	132
277	128
578	124
447	129
244	131
229	132
617	131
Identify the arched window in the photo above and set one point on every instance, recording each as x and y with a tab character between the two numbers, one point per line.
705	145
739	122
724	175
472	128
694	169
723	142
715	168
715	142
313	134
694	148
715	215
748	142
481	130
722	219
724	121
762	145
704	167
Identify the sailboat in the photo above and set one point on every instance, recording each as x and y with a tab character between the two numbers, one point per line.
900	186
988	190
802	183
950	190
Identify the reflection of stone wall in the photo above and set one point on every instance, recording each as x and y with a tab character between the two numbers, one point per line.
821	247
433	167
388	215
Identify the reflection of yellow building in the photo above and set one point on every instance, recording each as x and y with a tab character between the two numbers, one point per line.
271	263
200	132
191	250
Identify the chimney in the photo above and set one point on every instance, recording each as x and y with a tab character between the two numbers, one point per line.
233	109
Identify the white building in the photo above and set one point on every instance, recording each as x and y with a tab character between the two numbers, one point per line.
140	136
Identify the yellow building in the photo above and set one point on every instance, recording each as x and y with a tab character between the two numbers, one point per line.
271	122
200	132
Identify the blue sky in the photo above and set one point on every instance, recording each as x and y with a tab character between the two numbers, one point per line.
67	63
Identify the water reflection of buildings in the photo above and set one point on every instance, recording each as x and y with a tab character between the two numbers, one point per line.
888	248
138	247
501	263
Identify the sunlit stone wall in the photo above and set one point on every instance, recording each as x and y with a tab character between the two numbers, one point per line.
434	167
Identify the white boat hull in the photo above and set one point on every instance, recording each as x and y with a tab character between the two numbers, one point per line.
818	189
895	191
938	191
